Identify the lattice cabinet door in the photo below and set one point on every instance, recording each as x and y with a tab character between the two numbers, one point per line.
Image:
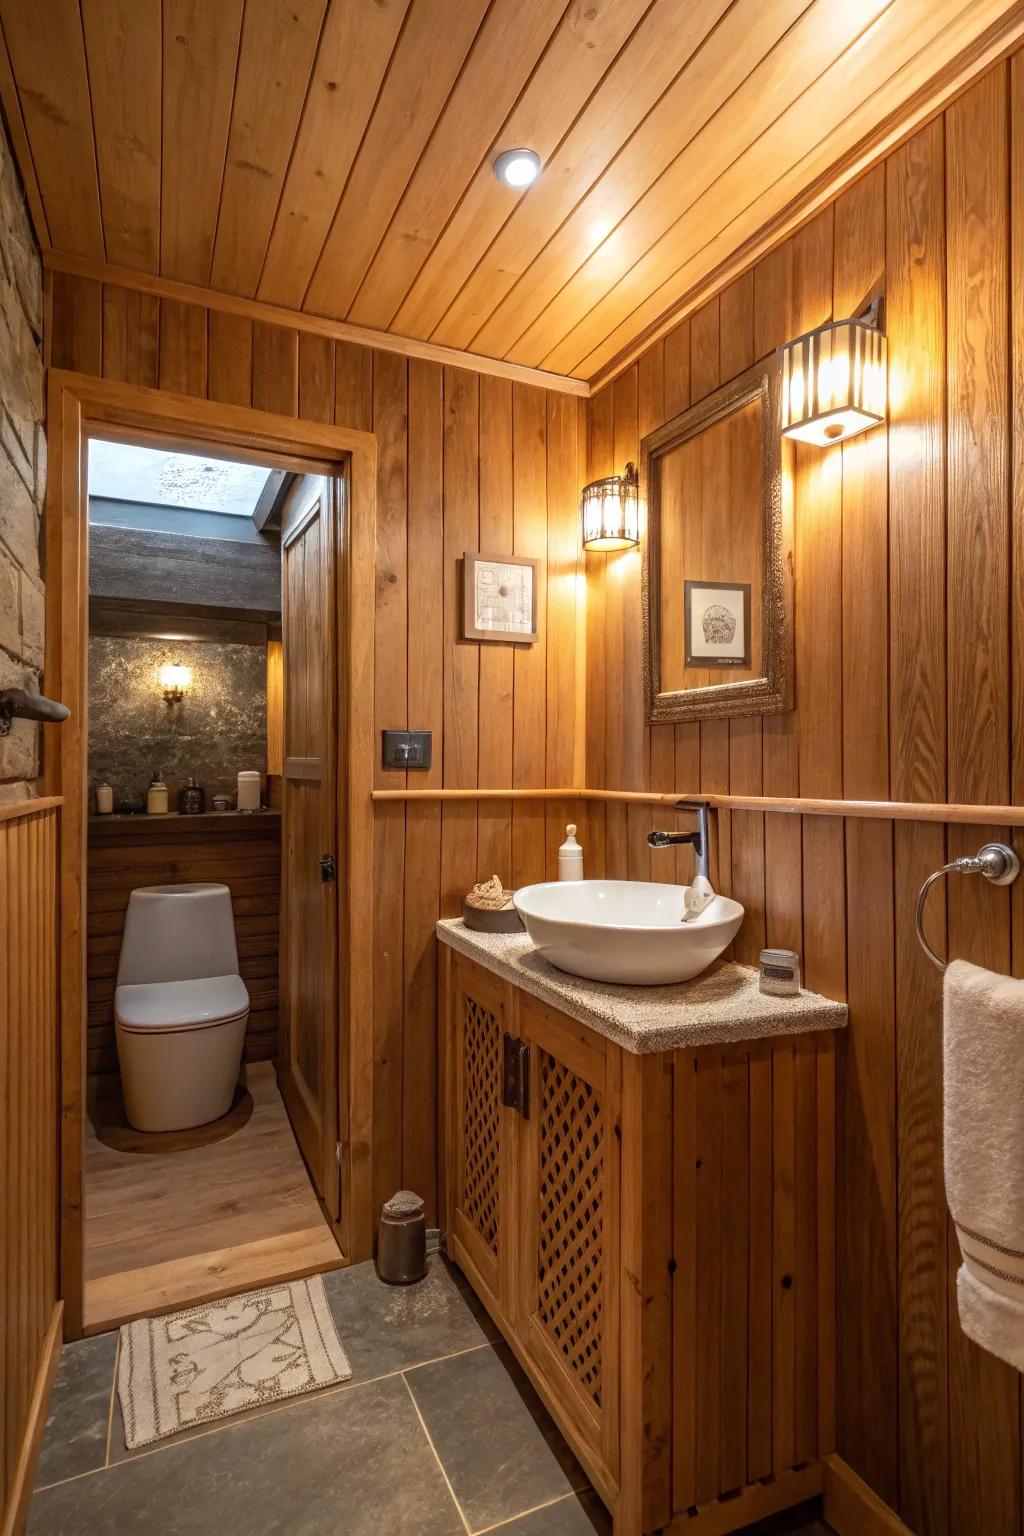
568	1291
479	1129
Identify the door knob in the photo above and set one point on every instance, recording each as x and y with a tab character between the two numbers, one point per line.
328	868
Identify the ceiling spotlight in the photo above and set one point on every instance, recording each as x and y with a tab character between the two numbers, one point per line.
517	167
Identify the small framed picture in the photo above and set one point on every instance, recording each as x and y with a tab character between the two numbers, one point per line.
499	597
717	623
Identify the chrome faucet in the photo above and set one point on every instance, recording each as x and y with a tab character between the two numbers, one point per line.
698	839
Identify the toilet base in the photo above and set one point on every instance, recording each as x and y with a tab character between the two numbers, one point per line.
173	1079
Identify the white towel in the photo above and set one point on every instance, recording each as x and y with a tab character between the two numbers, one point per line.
983	1026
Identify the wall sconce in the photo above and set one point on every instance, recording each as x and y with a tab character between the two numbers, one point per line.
834	379
174	681
610	509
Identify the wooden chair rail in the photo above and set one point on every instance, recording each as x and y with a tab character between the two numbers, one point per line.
872	810
29	807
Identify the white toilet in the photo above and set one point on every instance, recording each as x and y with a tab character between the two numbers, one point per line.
180	1007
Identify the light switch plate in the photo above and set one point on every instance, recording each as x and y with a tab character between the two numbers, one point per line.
405	749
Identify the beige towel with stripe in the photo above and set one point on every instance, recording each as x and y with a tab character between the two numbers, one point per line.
983	1027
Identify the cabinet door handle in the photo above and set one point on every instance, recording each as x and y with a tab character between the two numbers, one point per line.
509	1072
515	1075
523	1078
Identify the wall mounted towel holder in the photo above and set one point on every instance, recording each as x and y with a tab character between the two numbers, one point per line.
996	861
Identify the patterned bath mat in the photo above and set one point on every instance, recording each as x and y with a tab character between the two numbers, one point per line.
226	1357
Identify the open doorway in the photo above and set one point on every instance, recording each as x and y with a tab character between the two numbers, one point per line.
218	762
193	710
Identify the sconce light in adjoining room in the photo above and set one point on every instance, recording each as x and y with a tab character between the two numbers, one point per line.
834	380
610	509
174	681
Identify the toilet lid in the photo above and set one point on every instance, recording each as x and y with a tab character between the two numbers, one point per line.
168	1005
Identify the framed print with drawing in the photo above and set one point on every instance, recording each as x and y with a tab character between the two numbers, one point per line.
717	623
499	597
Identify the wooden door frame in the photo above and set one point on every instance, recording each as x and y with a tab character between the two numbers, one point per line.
78	407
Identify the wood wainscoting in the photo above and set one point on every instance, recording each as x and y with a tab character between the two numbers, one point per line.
30	1322
908	556
242	852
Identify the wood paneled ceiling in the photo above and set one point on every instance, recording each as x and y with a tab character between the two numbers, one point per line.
334	156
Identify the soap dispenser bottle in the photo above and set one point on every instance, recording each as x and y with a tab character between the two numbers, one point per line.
570	856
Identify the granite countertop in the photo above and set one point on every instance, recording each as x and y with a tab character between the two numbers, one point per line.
722	1005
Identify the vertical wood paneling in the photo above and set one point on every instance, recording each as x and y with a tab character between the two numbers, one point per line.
867	1123
425	548
600	663
229	358
745	735
131	324
562	662
977	511
275	369
909	682
494	827
76	339
182	366
461	661
316	377
984	1399
915	323
391	712
529	533
28	1132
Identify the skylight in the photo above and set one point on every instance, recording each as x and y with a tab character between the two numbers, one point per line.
123	472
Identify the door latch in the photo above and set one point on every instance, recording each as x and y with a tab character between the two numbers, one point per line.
328	869
515	1075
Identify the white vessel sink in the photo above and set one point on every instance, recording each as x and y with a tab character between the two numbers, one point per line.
625	930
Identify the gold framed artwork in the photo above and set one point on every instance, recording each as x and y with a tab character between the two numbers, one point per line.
499	597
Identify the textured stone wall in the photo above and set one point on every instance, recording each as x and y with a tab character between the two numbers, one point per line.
219	727
22	474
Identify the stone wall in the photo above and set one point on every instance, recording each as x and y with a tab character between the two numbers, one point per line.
22	474
218	728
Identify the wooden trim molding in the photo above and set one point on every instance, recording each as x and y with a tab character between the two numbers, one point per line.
20	808
852	1509
994	44
80	406
757	1501
863	810
317	325
15	1515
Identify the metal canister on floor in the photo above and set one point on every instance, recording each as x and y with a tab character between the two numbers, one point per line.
402	1239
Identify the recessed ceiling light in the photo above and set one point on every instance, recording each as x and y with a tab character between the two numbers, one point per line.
517	167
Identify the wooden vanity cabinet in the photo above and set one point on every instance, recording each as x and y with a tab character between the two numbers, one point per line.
566	1305
654	1236
531	1193
479	1155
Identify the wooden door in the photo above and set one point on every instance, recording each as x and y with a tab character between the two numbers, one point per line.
308	1061
481	1146
567	1314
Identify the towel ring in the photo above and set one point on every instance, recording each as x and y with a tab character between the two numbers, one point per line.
996	861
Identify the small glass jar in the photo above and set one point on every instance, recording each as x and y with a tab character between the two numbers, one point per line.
191	799
780	972
156	797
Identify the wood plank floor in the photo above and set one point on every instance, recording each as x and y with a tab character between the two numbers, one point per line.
184	1217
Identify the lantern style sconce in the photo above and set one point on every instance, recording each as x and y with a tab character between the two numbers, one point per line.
834	380
610	509
174	681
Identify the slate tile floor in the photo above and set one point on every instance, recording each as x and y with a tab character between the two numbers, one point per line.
437	1434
